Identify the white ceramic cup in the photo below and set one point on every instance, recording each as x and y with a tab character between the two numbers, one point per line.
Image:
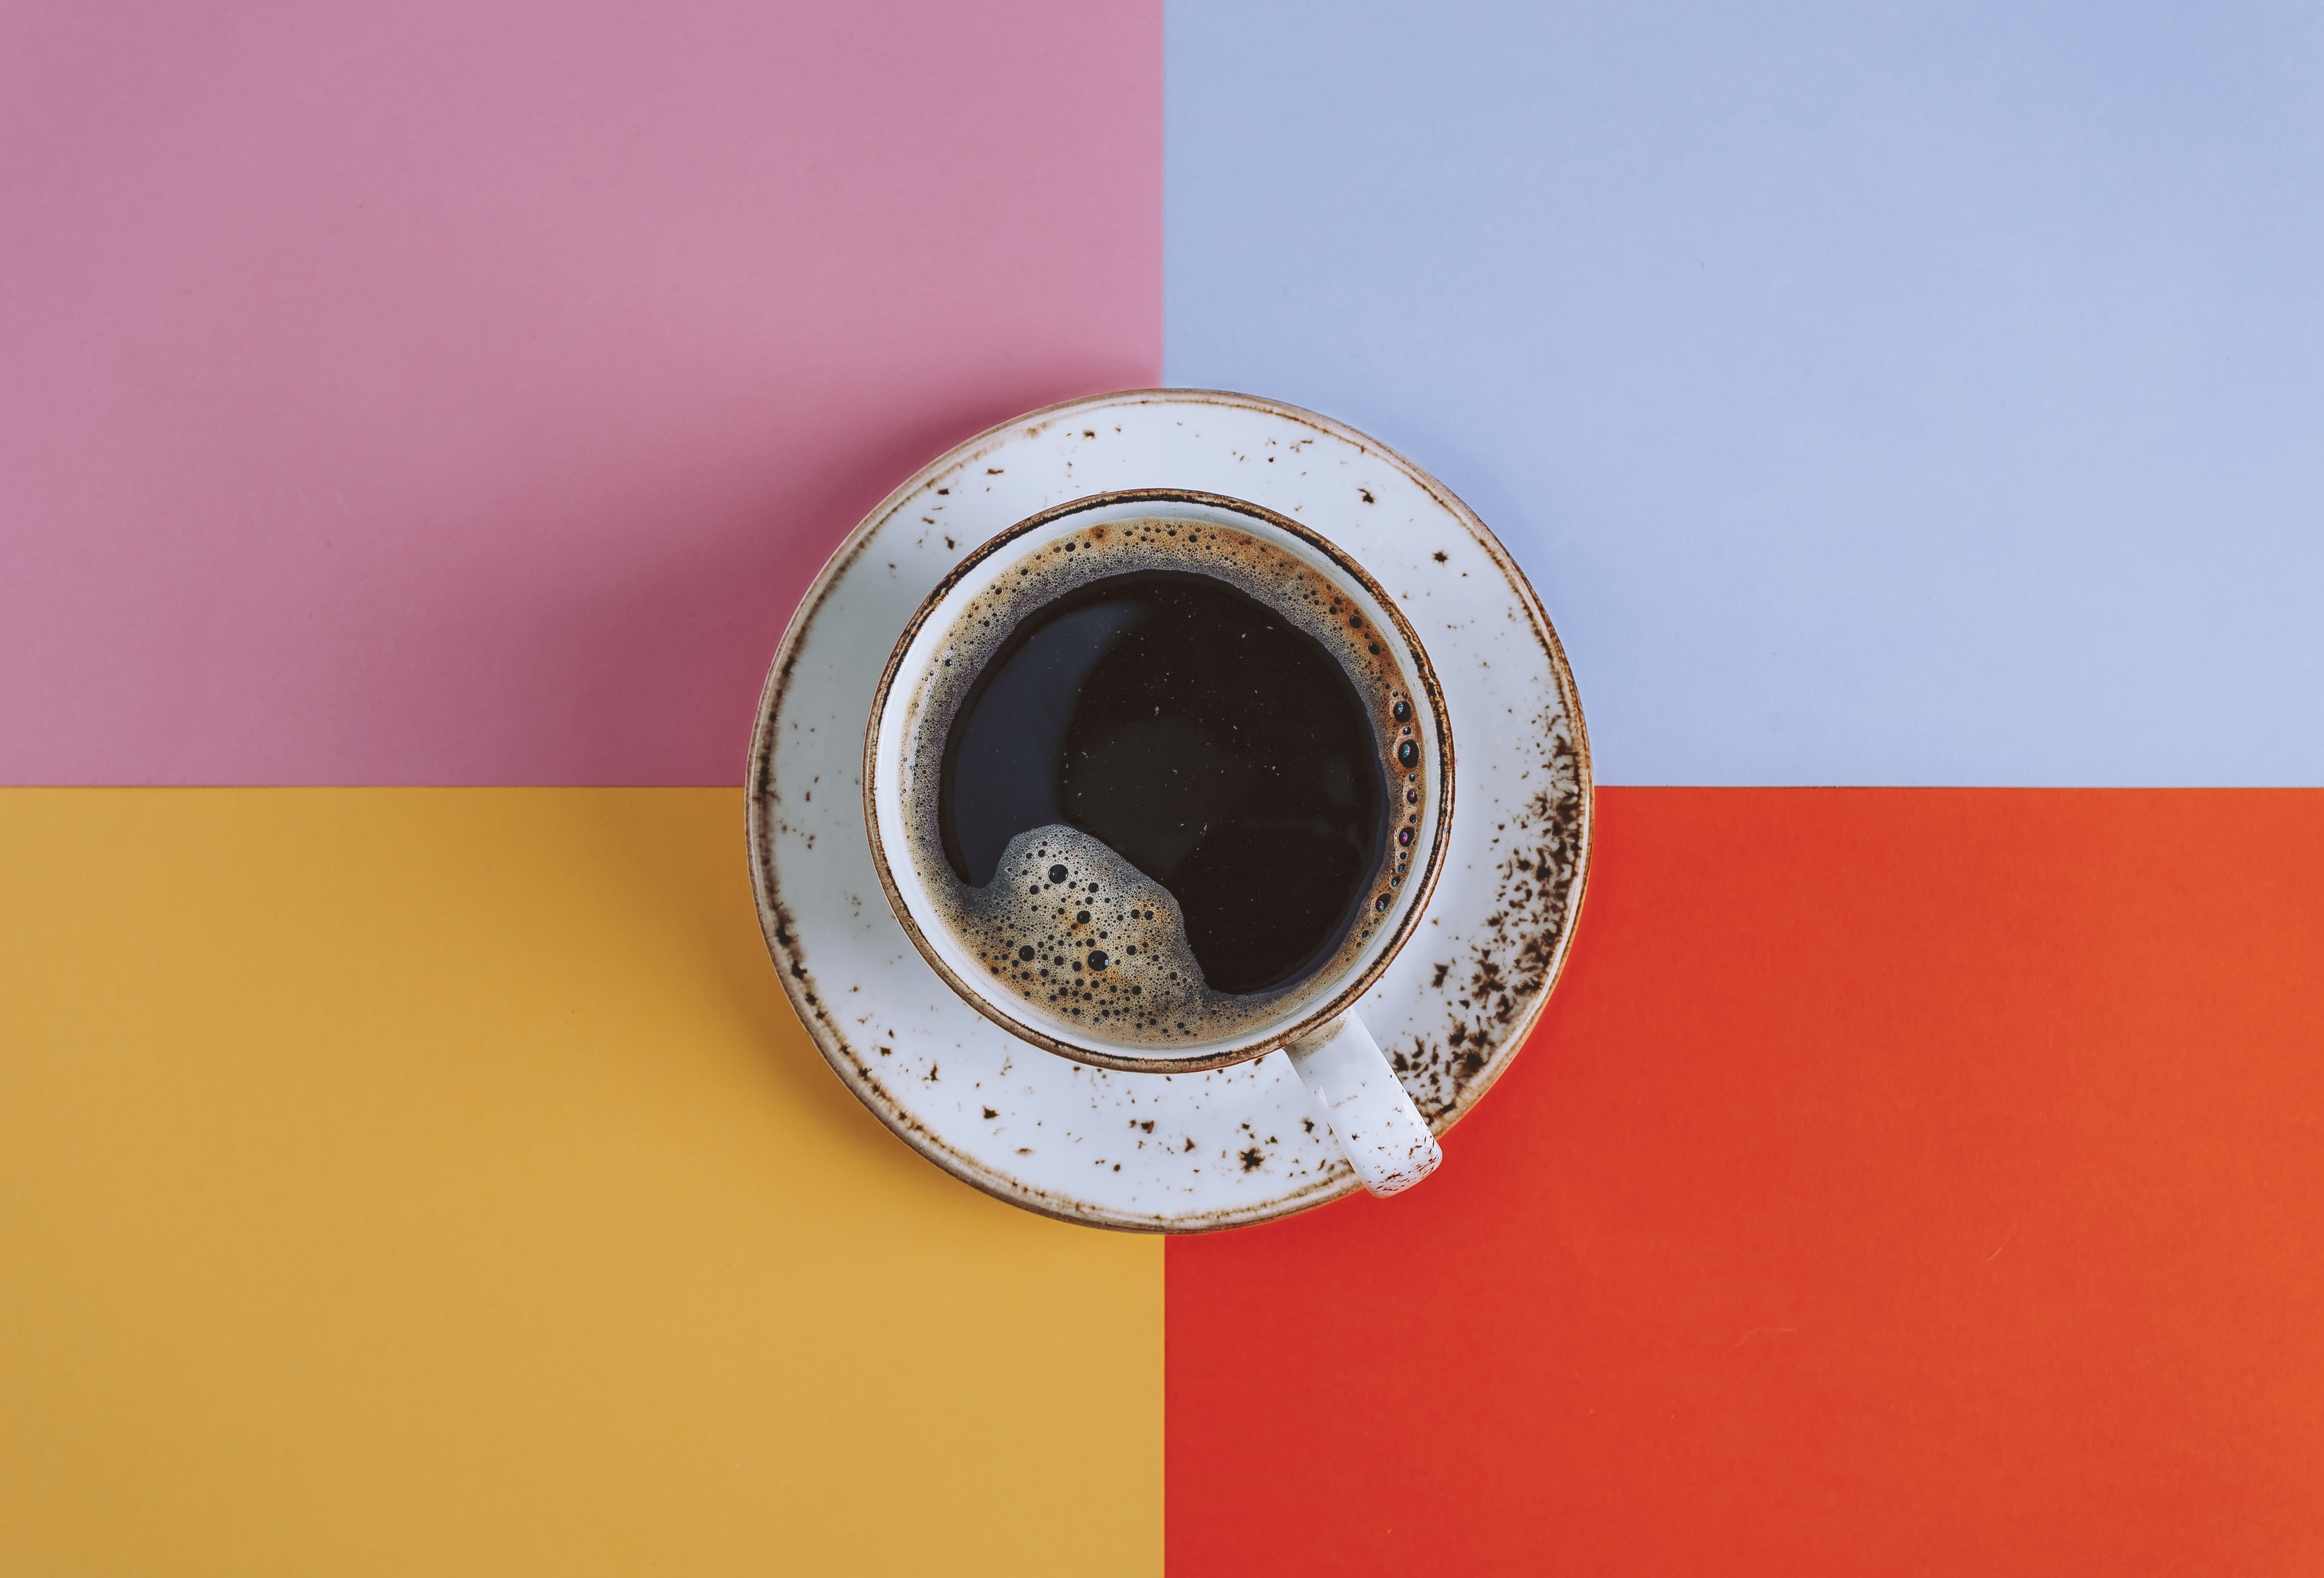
1386	1140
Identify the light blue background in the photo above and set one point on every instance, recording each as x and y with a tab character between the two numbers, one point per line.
1876	396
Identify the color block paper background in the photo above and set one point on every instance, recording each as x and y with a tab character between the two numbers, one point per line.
464	393
404	1180
1876	395
1918	1175
1901	1181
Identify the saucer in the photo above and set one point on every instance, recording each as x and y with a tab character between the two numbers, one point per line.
1151	1152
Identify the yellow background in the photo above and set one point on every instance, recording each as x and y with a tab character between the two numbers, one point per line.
436	1180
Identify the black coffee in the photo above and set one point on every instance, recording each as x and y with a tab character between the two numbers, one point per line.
1199	734
1161	776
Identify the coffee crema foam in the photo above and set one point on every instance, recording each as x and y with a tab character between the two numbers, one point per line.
1068	928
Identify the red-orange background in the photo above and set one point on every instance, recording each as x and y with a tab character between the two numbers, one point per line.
1900	1181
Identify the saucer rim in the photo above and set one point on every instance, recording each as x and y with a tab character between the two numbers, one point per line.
774	915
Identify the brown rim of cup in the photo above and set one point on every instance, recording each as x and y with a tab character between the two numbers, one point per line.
1424	682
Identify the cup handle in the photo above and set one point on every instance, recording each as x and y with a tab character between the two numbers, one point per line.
1387	1141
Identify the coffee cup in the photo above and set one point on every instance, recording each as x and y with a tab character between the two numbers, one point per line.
1161	781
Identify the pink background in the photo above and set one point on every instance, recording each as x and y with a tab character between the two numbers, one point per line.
465	394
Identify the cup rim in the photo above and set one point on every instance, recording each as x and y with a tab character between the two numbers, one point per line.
1418	891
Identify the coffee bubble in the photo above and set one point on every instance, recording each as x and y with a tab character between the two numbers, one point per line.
1099	947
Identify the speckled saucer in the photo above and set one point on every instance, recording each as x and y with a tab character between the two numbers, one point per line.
1170	1153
